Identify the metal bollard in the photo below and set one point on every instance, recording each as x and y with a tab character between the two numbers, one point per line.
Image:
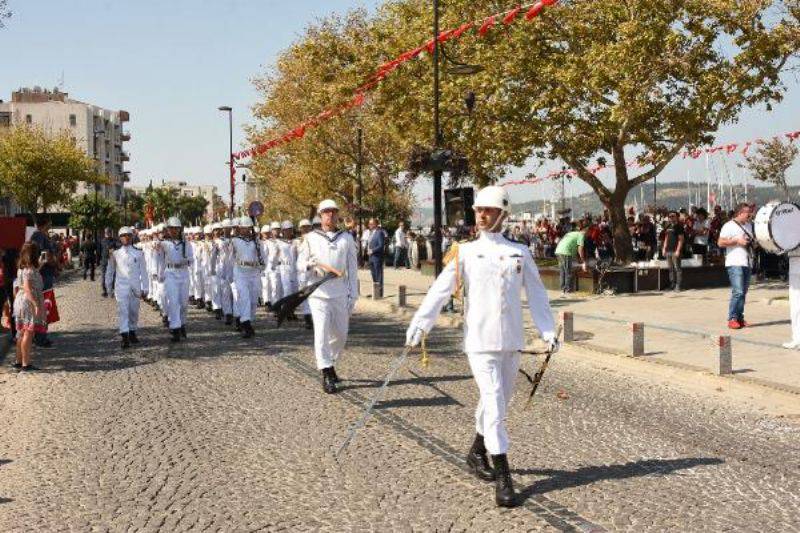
377	291
401	296
725	355
567	326
637	347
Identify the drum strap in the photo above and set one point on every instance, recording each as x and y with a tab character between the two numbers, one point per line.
751	246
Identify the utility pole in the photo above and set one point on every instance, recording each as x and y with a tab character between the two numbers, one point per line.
437	138
231	167
360	193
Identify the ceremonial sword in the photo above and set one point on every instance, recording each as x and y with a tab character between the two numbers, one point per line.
537	378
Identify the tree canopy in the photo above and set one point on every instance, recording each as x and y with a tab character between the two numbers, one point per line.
771	162
39	170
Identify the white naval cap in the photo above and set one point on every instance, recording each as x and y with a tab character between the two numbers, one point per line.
275	225
287	224
215	226
316	220
245	222
325	205
226	223
492	196
265	228
125	230
174	222
303	223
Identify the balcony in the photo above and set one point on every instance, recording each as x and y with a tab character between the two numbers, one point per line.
124	156
124	116
125	137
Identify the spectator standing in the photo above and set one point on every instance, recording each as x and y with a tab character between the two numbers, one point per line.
701	231
375	250
366	235
107	247
401	246
48	265
569	246
714	227
672	248
736	236
89	255
8	273
29	311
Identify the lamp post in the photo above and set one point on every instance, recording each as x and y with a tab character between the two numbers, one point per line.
360	193
229	110
96	134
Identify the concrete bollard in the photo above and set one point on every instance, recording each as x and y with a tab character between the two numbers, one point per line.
567	329
377	291
401	296
637	346
725	355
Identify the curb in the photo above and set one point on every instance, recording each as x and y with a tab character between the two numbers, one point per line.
456	321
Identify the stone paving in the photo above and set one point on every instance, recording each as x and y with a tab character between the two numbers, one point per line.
225	434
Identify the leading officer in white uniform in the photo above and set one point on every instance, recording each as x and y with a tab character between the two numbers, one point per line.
128	274
333	302
493	272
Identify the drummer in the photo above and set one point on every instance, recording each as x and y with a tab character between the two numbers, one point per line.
738	240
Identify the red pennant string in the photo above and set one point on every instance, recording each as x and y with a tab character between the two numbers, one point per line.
509	18
486	26
535	10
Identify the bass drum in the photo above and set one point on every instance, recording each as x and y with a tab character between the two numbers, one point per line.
777	227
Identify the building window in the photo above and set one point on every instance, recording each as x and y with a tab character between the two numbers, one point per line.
73	121
28	119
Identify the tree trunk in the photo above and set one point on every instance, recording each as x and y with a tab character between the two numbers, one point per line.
623	246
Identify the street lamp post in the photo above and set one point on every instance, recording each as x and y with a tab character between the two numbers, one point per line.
96	133
360	195
437	137
229	110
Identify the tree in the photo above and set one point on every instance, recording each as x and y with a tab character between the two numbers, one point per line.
5	12
40	170
771	162
88	213
191	208
632	82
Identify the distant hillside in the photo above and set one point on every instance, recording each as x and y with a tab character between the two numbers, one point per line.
673	195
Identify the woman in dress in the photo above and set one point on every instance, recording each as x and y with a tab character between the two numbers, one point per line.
29	310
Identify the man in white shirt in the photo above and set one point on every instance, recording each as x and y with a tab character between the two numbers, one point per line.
400	246
126	272
493	271
738	239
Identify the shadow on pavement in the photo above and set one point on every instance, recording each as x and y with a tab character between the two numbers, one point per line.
565	479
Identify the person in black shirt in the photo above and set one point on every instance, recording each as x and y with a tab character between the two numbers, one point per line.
107	247
89	255
674	237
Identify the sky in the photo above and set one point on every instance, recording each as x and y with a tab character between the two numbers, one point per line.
171	64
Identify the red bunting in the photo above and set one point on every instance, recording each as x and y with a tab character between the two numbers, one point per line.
385	69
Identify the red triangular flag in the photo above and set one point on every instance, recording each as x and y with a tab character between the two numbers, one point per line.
535	10
487	24
509	18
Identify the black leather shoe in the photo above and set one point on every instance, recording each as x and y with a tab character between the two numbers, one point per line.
504	495
328	383
247	330
133	338
183	331
477	460
126	341
335	377
309	322
228	320
165	321
238	324
176	335
209	308
218	314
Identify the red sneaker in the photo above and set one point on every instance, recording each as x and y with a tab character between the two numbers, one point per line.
734	324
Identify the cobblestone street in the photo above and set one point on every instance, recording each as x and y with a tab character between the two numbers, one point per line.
225	434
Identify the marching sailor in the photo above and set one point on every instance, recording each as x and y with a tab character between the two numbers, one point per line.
247	268
276	291
223	271
333	302
287	260
302	278
126	270
493	272
206	249
794	299
265	254
178	258
158	267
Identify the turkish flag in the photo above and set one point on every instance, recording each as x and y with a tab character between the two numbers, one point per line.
50	306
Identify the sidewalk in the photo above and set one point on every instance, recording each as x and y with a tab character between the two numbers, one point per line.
680	328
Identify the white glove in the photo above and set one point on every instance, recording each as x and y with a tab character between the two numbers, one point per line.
414	335
551	341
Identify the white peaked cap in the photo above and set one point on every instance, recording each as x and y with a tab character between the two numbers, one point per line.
327	204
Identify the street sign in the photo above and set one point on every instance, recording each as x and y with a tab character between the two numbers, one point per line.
255	209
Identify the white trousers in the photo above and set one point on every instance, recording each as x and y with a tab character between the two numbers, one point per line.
301	283
234	298
176	296
331	319
265	286
275	289
794	305
198	289
495	373
248	287
127	309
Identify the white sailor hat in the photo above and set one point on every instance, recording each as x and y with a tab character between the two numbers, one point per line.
215	226
303	223
174	222
275	225
316	220
287	224
245	222
265	228
125	230
226	223
324	205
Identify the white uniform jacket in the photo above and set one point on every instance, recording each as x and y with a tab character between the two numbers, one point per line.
494	271
128	271
336	249
246	255
178	255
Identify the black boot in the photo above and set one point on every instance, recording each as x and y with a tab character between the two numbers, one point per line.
268	305
477	460
309	322
503	486
200	304
192	300
238	324
335	377
247	329
165	321
133	337
208	307
218	314
176	335
328	383
183	331
126	341
228	320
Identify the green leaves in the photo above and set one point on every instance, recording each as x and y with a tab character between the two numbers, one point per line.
771	161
